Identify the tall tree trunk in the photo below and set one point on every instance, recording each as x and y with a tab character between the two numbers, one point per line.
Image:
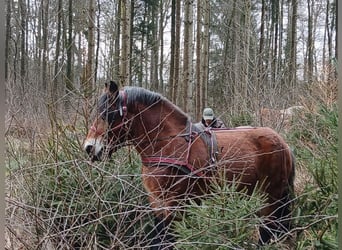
89	76
69	49
333	53
236	56
198	60
142	50
125	43
154	49
23	51
161	46
131	25
117	41
98	40
187	56
54	89
205	53
172	53
281	31
260	57
245	57
310	43
275	23
45	17
262	39
177	53
293	46
8	36
335	25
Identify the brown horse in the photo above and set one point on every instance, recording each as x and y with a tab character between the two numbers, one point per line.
180	159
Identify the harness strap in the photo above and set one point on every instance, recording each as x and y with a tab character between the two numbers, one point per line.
209	139
123	110
192	131
184	166
123	106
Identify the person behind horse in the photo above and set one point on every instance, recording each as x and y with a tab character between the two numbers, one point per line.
209	119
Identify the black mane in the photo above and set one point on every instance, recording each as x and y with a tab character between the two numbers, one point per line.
146	97
141	95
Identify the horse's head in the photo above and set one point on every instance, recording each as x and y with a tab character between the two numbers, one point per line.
108	132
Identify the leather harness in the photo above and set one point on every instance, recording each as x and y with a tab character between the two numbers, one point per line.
192	132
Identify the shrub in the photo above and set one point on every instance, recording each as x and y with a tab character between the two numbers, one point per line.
315	143
69	202
224	220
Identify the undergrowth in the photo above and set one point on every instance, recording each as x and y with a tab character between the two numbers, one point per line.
314	139
57	199
71	203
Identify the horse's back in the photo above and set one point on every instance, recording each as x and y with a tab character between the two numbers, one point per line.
252	140
255	155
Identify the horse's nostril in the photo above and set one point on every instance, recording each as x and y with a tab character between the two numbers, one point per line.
89	149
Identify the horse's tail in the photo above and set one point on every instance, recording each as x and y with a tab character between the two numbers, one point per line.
292	173
283	213
288	196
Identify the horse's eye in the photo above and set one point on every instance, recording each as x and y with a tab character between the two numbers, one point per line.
109	115
106	109
103	107
104	115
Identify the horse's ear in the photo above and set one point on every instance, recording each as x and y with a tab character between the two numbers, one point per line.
112	87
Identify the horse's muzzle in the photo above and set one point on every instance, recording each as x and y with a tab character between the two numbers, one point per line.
90	149
94	149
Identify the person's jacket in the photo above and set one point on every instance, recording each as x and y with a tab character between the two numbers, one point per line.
216	123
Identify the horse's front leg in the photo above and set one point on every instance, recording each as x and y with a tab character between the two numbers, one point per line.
162	235
167	191
164	206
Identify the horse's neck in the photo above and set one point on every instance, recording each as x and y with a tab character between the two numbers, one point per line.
153	126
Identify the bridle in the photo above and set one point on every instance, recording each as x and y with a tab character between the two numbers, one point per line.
122	112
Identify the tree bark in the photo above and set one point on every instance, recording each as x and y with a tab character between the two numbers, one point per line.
310	44
69	73
23	51
89	76
98	40
117	41
187	56
177	53
161	50
54	89
205	53
154	49
45	15
293	45
8	36
125	42
198	60
172	53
